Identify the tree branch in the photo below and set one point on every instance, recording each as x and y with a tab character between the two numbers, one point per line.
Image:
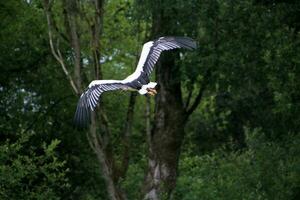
148	123
96	31
101	144
126	138
71	9
199	96
188	99
129	122
107	169
56	53
63	36
90	139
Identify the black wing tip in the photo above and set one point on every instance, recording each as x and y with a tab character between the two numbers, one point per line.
82	116
82	119
80	126
185	42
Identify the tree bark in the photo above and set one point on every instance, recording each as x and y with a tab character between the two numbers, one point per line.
170	117
72	13
167	133
107	168
168	129
55	50
126	137
97	29
99	143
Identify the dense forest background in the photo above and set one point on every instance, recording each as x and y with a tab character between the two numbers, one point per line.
225	124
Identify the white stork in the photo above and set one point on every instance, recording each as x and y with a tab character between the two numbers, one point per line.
138	81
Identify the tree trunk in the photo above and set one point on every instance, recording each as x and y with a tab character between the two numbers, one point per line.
96	142
71	9
171	114
100	143
168	129
167	132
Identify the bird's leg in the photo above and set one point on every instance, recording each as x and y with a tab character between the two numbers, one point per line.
152	91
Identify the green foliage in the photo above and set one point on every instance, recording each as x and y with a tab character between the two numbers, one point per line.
265	170
35	99
134	180
251	48
31	172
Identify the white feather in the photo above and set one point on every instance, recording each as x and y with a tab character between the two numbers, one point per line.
98	82
145	53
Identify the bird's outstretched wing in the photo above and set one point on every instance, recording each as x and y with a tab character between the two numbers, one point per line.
151	52
149	56
90	98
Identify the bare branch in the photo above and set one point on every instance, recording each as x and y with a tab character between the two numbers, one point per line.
71	9
148	123
96	31
199	96
56	52
61	61
62	35
90	140
206	76
128	126
188	99
105	164
126	138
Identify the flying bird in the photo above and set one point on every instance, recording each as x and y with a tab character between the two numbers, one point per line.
138	81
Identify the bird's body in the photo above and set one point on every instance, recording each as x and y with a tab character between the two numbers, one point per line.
138	81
